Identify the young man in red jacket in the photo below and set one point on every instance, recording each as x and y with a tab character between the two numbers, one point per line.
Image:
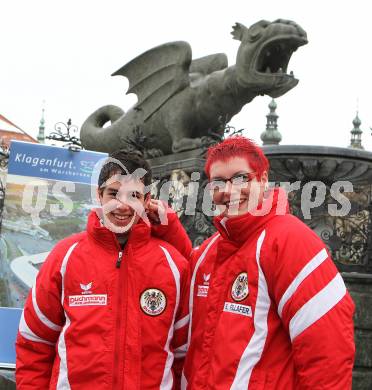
109	309
268	308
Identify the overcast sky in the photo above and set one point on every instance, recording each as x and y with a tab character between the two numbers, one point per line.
63	52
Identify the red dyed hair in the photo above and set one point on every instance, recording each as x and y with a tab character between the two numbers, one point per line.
238	146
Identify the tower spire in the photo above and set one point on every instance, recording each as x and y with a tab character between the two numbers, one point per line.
41	134
271	135
356	134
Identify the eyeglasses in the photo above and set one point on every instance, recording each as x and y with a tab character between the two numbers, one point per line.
239	179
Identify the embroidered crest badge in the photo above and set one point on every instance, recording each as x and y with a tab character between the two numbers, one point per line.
153	302
239	289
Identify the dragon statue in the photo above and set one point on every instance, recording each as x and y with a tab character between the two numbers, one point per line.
180	100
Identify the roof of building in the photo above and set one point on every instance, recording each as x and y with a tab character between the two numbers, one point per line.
10	131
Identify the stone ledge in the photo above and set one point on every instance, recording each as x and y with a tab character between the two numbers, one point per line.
363	312
357	278
363	343
362	379
7	380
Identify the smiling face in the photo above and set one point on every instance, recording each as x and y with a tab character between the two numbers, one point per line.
240	195
123	201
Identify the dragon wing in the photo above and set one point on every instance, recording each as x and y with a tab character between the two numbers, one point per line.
158	74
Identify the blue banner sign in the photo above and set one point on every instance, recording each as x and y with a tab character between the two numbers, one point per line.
9	320
52	162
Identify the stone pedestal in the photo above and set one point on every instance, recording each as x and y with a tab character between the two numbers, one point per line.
360	288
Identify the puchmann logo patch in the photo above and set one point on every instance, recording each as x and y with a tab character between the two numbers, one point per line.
203	288
88	300
202	291
237	308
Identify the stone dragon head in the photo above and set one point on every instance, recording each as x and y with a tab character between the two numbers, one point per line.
264	54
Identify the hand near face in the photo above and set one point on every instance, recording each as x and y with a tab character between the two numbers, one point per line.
157	211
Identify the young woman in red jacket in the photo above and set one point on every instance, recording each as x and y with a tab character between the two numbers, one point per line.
268	308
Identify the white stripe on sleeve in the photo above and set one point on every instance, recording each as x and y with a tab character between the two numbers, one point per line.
192	283
253	352
183	381
167	381
46	321
306	271
182	322
180	352
317	306
28	334
63	382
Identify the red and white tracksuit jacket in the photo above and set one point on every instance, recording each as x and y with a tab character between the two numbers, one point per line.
268	308
102	318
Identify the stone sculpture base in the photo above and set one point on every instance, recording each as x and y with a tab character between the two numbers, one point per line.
360	288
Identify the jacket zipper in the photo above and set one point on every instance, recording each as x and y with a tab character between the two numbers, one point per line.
118	261
118	341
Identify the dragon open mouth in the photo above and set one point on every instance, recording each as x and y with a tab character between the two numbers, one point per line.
275	55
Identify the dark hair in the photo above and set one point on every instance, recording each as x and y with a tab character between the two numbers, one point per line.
130	161
238	146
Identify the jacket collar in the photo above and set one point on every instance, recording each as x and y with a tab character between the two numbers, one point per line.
138	235
238	229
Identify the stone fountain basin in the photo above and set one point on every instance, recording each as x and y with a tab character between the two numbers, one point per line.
323	163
